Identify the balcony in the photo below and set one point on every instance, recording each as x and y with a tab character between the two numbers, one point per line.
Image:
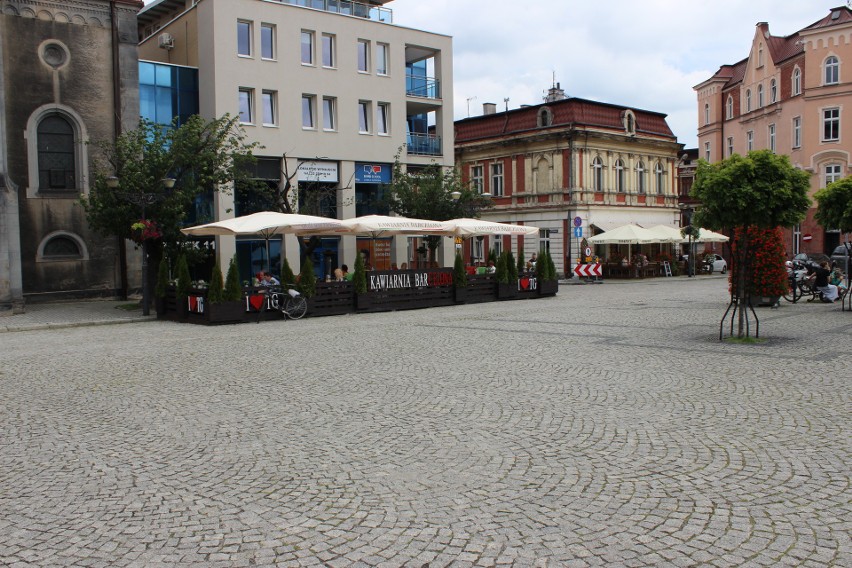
424	145
426	87
347	8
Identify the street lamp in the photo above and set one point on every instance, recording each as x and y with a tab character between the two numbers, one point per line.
469	210
687	218
142	200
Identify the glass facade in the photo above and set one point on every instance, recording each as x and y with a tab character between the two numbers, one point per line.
167	92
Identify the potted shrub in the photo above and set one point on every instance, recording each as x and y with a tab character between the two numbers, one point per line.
459	280
287	276
182	288
363	300
161	289
307	284
224	307
507	287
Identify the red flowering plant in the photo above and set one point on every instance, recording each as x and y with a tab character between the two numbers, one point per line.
764	269
144	230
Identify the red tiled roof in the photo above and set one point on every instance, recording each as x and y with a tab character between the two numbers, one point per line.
570	111
843	16
781	48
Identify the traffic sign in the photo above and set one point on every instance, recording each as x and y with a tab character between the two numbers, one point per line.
588	269
807	237
578	222
578	232
588	251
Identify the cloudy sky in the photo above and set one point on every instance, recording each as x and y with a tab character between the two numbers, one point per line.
644	55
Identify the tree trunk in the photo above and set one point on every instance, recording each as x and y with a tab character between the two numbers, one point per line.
743	281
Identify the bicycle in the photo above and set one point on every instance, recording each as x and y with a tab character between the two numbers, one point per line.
798	284
289	302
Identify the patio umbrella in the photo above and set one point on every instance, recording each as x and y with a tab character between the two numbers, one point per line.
384	225
707	236
668	233
626	235
266	224
465	227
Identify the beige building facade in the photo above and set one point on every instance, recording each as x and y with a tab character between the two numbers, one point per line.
332	91
789	95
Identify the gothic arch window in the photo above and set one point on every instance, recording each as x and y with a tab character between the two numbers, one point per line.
797	81
619	176
832	70
61	246
597	171
659	177
729	108
545	117
773	91
56	153
760	55
748	100
640	177
629	121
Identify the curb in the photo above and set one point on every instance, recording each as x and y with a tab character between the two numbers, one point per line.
66	325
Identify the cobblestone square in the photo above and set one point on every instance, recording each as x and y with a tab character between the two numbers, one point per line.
607	426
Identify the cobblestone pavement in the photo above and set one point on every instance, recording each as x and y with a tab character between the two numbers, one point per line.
605	427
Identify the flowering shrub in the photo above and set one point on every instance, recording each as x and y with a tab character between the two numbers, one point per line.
144	230
766	273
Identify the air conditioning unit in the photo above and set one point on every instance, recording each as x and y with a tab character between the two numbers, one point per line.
166	41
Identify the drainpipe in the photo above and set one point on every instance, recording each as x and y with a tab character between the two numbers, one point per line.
116	117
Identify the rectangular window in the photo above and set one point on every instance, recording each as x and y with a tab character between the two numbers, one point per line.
308	111
329	118
797	132
364	117
544	240
247	106
363	56
267	41
832	173
830	124
382	118
497	179
329	57
772	138
307	48
269	108
382	51
244	38
750	140
707	151
476	178
730	146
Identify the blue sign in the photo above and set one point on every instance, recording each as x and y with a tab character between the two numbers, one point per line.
372	173
578	232
578	221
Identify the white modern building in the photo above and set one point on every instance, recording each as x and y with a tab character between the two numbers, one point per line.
331	89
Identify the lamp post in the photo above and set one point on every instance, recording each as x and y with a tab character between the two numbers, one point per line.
142	200
687	218
468	210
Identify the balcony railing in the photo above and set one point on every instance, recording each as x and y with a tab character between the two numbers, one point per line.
347	8
424	145
427	87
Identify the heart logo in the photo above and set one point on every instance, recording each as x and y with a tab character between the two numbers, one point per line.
525	283
256	301
193	303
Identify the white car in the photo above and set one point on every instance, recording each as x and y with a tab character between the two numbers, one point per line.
719	264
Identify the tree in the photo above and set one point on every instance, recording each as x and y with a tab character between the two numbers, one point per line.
287	276
459	274
233	291
201	156
759	190
834	205
428	194
215	292
307	279
359	275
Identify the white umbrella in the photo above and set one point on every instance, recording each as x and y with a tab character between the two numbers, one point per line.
668	233
265	224
477	227
707	236
379	225
626	235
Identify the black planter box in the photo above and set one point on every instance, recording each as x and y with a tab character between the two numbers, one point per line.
548	288
507	290
225	312
460	295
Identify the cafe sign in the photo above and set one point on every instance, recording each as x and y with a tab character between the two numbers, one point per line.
372	173
400	279
318	171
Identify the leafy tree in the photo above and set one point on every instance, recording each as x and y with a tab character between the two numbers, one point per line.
511	266
307	278
834	205
287	276
359	275
215	292
233	291
200	155
162	278
428	194
184	281
459	274
761	190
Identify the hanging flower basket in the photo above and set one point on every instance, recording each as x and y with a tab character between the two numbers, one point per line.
144	230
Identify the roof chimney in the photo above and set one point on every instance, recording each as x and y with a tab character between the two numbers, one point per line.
489	108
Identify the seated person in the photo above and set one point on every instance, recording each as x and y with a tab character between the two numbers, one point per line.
837	279
820	282
347	276
338	275
491	269
267	279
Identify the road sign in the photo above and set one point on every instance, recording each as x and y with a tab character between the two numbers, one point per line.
588	251
807	237
588	269
578	222
578	232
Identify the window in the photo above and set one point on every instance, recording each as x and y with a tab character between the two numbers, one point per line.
832	71
832	173
707	151
382	56
363	56
640	177
730	146
497	179
729	108
247	106
307	48
329	116
659	178
308	111
797	81
830	124
772	138
61	247
619	176
760	96
476	178
773	91
749	140
270	112
760	56
364	117
544	240
329	58
267	41
706	113
797	132
748	100
545	117
382	118
244	38
56	155
597	174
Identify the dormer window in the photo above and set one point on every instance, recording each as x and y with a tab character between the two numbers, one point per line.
545	117
628	119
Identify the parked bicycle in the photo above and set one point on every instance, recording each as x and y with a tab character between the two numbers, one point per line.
798	283
289	302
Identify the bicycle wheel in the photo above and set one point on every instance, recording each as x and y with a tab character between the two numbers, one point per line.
296	307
